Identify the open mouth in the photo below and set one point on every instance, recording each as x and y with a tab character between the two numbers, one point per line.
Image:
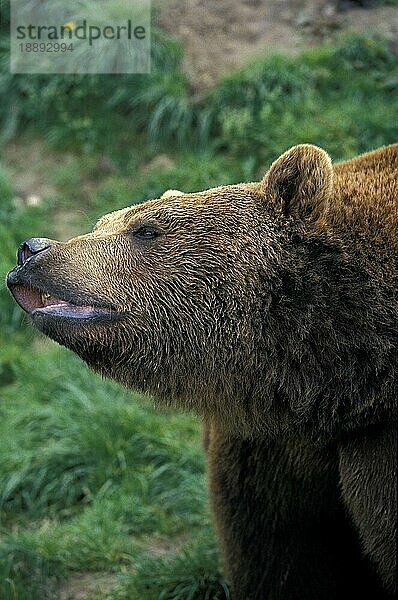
37	302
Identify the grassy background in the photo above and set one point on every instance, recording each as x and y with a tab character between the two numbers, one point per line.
92	480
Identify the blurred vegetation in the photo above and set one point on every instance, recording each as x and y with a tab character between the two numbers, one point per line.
250	115
91	477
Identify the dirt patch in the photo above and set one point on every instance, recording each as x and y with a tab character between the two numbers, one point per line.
382	20
161	546
82	583
219	37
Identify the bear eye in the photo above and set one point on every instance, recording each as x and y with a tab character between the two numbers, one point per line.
146	232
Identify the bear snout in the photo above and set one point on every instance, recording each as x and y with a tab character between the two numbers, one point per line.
31	247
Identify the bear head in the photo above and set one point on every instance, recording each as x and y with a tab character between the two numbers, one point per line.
208	301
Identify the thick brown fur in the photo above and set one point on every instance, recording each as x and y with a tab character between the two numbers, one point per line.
271	310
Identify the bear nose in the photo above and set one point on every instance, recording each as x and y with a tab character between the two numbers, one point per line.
31	247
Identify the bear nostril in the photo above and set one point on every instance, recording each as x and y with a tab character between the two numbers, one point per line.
23	253
31	247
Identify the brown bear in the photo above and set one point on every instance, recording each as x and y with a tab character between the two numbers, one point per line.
271	310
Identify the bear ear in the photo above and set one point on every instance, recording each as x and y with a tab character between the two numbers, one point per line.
170	193
300	181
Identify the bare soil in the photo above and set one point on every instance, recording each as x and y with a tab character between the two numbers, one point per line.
83	583
218	36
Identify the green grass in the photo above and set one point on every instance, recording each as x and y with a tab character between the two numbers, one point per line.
341	96
25	573
89	473
92	479
92	436
193	574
